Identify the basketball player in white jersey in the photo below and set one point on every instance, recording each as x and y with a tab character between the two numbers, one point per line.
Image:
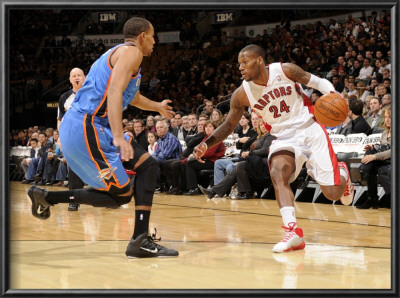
275	94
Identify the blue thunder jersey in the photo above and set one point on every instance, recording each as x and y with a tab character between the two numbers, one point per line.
92	97
85	133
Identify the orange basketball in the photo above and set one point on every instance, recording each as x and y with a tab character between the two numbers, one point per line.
331	109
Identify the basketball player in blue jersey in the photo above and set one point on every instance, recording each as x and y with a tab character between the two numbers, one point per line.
275	94
95	147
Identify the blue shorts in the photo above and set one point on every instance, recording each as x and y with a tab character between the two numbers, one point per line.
87	146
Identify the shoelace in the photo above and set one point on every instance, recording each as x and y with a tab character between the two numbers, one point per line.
152	239
288	235
291	231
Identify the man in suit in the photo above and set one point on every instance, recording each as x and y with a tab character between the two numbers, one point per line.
375	121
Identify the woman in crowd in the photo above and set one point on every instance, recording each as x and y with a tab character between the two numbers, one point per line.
216	117
150	124
210	156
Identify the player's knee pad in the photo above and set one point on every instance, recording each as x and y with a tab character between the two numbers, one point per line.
122	200
119	196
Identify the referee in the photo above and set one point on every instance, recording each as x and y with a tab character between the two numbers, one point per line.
76	78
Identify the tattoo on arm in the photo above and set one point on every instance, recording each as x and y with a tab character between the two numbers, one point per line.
296	73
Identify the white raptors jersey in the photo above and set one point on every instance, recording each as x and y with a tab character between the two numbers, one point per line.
281	104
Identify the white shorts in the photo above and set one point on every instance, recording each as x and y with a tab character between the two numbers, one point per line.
311	145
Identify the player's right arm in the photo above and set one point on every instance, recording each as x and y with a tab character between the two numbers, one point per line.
238	102
297	74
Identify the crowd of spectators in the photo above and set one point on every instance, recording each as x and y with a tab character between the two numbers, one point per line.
354	55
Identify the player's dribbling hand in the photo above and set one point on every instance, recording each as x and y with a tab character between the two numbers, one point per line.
124	149
166	110
199	151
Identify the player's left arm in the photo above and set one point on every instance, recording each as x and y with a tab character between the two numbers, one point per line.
297	74
146	104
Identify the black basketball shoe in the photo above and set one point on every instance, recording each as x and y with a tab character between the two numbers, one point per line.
40	207
144	246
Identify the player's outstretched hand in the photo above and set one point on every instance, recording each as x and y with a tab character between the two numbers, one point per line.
199	151
124	149
166	110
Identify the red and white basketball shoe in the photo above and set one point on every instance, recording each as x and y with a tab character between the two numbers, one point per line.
293	239
348	194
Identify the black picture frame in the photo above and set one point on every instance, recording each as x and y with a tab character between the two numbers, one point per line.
6	5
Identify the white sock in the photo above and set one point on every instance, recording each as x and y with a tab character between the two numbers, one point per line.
288	215
343	173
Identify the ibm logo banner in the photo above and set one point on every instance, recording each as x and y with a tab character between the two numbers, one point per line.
224	17
108	17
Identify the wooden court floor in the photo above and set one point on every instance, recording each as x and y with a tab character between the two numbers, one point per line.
223	244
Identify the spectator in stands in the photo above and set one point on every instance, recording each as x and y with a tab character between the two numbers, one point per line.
26	161
367	111
216	117
193	166
152	138
34	164
366	71
49	134
386	73
246	136
386	100
49	175
204	116
175	169
62	172
358	123
384	64
15	141
377	162
140	135
375	120
250	173
150	124
181	131
193	119
352	90
355	71
361	85
23	138
168	147
315	95
380	91
370	89
387	84
178	117
48	147
208	107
